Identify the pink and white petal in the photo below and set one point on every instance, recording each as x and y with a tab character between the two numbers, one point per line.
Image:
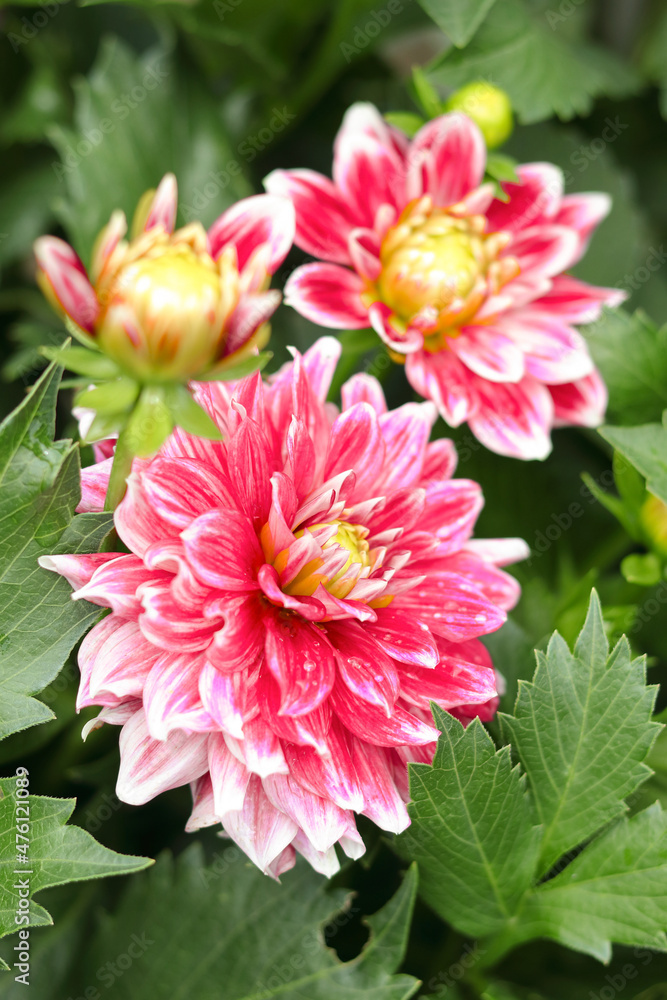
77	570
395	336
577	302
319	363
363	666
324	220
307	607
222	548
321	820
324	862
328	295
357	443
498	587
302	661
364	246
368	174
583	213
163	482
137	522
239	644
170	625
114	660
440	460
499	551
220	697
406	431
446	159
112	715
149	767
105	244
261	831
252	311
446	381
554	352
489	353
251	461
363	388
115	582
364	119
514	420
203	805
305	730
454	682
331	775
404	637
61	270
383	803
450	511
534	199
262	750
582	403
452	607
171	696
229	776
163	207
261	220
94	485
543	251
368	722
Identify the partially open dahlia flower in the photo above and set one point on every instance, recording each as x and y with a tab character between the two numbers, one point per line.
293	599
466	289
171	304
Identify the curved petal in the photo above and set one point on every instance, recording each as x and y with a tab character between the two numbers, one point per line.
489	353
301	660
577	302
514	419
554	352
534	199
582	403
324	220
583	213
446	381
148	766
446	159
543	251
369	174
395	336
329	295
162	211
262	220
65	282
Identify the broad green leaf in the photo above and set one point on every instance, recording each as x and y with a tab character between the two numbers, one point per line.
637	378
582	729
196	929
407	121
471	833
56	853
459	19
122	144
83	362
542	71
614	891
646	448
39	489
188	414
110	397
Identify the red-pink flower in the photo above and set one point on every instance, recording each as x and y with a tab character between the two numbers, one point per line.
293	599
174	304
466	289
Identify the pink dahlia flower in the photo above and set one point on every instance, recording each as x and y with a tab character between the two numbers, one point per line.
293	599
174	304
467	290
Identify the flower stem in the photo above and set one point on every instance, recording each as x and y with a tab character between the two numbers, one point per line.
120	470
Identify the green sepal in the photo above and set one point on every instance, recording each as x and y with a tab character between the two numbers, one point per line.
645	570
188	414
104	425
407	121
426	94
229	373
82	361
111	397
150	423
81	335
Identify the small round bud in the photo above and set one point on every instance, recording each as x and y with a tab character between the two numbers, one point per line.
488	106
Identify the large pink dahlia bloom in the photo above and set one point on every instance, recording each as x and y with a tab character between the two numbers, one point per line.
174	304
293	599
466	289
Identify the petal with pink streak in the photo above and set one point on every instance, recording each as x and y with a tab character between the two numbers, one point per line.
364	246
251	466
499	551
543	251
171	696
324	219
261	220
395	336
534	199
583	213
137	522
163	480
165	622
514	420
490	353
229	776
203	807
555	353
575	301
94	485
440	460
261	830
221	698
223	550
498	587
114	660
324	862
582	403
309	608
446	381
383	803
363	666
149	767
114	585
454	682
363	388
331	776
329	295
301	660
356	443
239	643
452	607
262	750
406	432
65	275
319	363
446	159
77	570
404	637
369	174
163	207
251	312
369	722
364	119
305	730
450	511
321	820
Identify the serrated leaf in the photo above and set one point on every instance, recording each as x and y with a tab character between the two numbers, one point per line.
39	489
203	928
543	72
56	854
636	379
646	448
459	19
614	891
471	831
582	729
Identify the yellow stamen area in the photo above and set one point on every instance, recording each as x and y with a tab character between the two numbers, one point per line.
349	537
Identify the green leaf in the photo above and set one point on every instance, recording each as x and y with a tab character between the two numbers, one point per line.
201	928
229	373
646	448
123	145
614	891
39	489
471	832
188	414
426	94
637	378
56	853
654	56
111	397
540	69
150	423
82	361
406	121
646	570
582	730
459	19
502	168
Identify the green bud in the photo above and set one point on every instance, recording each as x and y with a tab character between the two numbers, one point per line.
488	106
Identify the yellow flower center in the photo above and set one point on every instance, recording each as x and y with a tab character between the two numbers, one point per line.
349	540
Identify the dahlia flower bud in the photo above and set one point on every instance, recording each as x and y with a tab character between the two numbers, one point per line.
466	289
653	518
164	307
293	599
488	106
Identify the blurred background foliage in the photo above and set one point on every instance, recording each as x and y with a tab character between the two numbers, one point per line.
98	100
